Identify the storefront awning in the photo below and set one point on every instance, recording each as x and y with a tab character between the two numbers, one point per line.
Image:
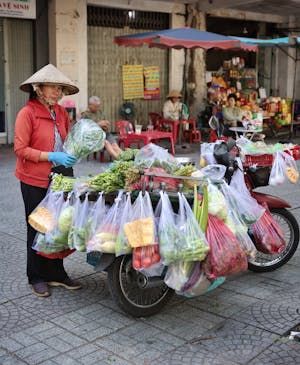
183	38
284	41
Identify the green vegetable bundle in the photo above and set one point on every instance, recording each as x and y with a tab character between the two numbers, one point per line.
84	138
62	183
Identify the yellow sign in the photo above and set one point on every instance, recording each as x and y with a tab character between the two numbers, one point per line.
133	82
151	90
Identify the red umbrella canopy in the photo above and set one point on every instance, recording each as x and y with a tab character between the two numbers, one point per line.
182	38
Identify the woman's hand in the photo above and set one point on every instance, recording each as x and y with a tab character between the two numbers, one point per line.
62	158
104	124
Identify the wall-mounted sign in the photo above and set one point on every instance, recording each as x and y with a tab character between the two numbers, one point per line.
152	90
25	9
133	82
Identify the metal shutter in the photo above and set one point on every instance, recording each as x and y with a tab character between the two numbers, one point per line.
105	60
18	41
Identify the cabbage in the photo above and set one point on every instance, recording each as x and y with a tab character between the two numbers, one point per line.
65	219
216	202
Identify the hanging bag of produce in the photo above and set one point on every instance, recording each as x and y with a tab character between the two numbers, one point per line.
45	216
152	155
97	214
178	274
105	237
141	230
291	170
122	245
81	224
237	227
238	184
54	244
168	233
84	138
278	171
193	245
226	255
268	235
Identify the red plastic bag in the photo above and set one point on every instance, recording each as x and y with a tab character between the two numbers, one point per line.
226	255
144	257
268	235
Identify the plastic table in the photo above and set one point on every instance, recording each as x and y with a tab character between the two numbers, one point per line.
147	137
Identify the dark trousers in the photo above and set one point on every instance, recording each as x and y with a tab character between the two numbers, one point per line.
39	268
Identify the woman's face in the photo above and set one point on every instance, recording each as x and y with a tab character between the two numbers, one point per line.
52	93
175	100
231	102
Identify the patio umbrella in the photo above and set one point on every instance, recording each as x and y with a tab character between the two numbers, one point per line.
187	38
178	38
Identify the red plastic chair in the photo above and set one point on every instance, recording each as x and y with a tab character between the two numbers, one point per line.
156	120
192	135
124	128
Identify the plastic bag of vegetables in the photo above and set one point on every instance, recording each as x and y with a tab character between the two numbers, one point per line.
97	214
226	255
152	155
81	223
43	248
84	138
122	245
44	217
56	240
268	235
237	227
178	274
277	175
194	246
105	237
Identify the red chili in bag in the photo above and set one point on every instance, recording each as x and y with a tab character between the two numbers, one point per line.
268	235
226	255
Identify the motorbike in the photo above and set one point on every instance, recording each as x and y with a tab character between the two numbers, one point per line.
142	296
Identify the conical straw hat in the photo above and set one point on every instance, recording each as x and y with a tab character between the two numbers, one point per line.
174	94
49	74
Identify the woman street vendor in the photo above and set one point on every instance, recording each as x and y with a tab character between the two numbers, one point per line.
232	114
40	130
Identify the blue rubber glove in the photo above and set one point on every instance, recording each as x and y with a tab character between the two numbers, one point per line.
61	158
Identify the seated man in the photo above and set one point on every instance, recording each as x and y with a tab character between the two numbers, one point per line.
95	113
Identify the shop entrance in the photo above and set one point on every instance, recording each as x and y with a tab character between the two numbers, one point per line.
16	64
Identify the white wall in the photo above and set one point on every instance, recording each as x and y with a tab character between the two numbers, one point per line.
68	43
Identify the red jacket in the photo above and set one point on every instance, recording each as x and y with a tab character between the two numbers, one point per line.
34	133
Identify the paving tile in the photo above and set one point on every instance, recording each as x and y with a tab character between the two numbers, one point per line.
93	321
192	355
14	318
282	352
222	302
8	359
184	321
63	301
276	316
236	342
140	343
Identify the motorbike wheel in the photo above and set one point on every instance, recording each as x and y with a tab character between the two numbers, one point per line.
268	262
130	290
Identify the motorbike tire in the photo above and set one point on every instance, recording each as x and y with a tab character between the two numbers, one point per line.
135	300
264	262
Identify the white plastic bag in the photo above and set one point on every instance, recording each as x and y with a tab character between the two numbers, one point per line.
81	224
277	175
